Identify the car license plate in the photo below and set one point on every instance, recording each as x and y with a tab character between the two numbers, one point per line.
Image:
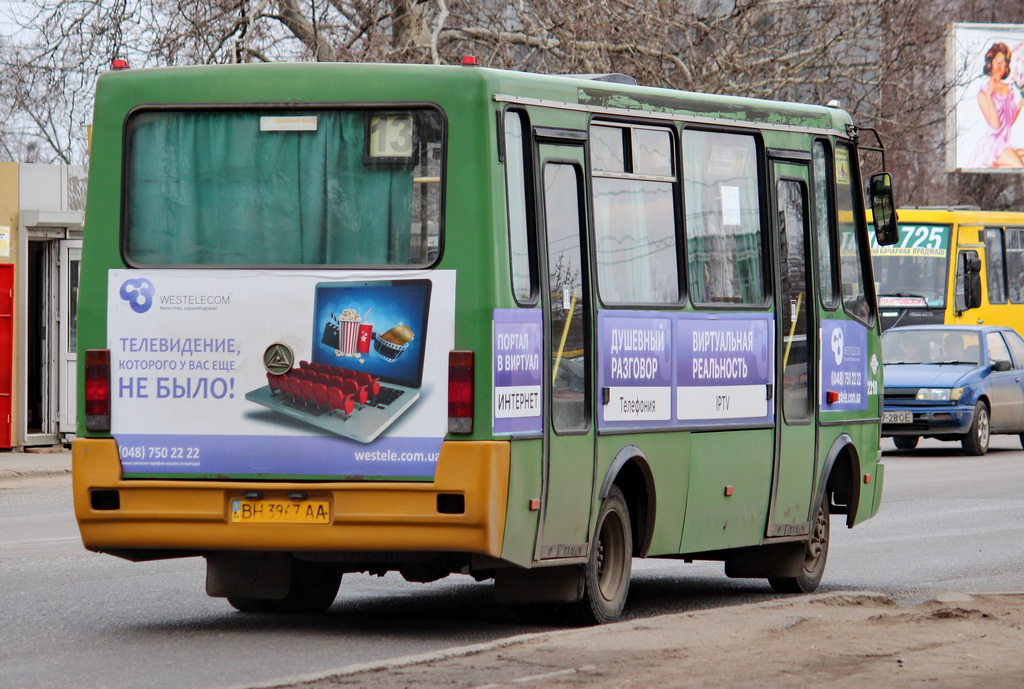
284	511
898	417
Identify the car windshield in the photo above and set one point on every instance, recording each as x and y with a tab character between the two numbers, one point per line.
908	346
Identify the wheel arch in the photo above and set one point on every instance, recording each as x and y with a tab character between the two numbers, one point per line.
840	479
631	472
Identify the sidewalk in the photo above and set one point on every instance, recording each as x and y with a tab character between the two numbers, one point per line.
35	461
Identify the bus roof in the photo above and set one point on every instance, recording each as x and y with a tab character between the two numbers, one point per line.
277	83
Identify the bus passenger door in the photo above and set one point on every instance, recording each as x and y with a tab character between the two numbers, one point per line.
793	484
568	473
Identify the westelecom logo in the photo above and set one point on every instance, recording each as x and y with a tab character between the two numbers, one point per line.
138	293
837	345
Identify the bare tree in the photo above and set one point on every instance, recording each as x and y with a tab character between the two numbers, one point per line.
884	60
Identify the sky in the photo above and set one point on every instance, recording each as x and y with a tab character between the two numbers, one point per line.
8	10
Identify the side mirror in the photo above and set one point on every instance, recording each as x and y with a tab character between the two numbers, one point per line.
1001	365
883	209
972	280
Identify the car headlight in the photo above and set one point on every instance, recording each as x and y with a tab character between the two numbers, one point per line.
940	394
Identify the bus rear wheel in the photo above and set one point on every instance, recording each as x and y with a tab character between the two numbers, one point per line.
311	590
609	566
815	555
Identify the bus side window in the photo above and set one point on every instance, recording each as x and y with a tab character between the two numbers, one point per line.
524	274
995	269
634	219
853	249
1015	263
826	243
725	246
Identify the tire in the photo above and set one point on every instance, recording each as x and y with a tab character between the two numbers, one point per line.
815	556
905	442
609	566
1021	438
975	443
312	590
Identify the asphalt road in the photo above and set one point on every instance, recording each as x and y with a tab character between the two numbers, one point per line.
73	618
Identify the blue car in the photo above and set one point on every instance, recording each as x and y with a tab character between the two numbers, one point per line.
953	382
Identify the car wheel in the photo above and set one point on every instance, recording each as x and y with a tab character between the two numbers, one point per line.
1021	438
975	443
905	442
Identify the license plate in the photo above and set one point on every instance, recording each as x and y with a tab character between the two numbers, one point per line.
270	511
898	417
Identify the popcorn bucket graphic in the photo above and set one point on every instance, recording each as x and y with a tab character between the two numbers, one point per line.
348	337
354	335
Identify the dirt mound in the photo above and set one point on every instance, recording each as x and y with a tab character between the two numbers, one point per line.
845	640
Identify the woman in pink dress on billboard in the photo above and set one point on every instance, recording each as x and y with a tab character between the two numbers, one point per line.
1000	109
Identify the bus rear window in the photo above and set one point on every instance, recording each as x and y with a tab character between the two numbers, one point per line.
357	188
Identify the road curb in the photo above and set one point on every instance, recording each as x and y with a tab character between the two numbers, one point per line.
29	473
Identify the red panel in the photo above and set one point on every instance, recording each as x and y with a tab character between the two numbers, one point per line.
6	350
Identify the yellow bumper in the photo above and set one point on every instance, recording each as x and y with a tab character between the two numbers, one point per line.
371	516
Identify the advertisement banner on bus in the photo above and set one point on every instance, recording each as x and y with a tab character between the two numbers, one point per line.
518	372
329	374
844	366
662	370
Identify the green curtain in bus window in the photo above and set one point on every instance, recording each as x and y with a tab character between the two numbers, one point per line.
210	188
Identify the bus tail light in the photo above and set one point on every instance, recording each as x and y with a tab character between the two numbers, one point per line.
460	392
97	389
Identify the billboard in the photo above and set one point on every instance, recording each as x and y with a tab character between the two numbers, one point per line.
986	71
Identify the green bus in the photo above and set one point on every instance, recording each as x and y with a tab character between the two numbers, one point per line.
341	318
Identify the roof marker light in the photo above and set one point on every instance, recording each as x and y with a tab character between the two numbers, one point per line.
470	61
119	63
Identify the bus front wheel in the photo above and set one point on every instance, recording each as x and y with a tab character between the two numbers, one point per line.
609	565
815	555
